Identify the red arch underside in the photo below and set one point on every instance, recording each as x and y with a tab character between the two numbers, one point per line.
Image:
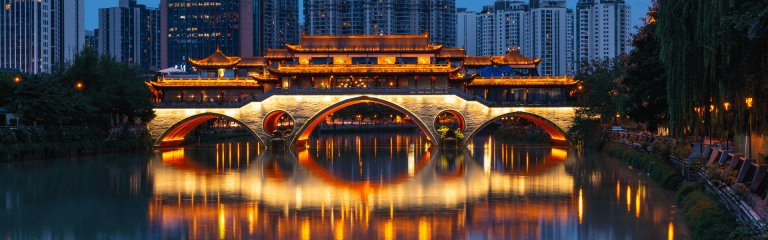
302	139
553	131
177	134
270	123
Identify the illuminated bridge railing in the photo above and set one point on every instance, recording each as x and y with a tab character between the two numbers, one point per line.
343	91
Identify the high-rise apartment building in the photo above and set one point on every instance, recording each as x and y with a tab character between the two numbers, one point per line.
500	27
195	28
67	29
466	31
383	17
36	34
25	35
603	29
536	32
92	39
546	37
130	32
570	33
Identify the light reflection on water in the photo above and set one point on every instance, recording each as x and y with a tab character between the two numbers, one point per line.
383	186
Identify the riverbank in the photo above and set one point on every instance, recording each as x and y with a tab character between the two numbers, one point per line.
70	148
707	217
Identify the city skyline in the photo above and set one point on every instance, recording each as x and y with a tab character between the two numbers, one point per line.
639	9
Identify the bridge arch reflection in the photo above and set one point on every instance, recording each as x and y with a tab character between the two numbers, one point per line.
175	134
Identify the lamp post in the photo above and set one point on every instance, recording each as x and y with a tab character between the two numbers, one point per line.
727	132
749	132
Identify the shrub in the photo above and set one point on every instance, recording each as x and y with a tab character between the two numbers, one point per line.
668	176
707	219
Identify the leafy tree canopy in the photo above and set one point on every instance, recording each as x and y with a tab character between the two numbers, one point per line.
90	90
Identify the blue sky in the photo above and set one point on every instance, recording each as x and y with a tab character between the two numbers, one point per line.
639	8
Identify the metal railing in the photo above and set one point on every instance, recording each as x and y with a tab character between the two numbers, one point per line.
341	91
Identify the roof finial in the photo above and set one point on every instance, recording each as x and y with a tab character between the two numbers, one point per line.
426	33
217	48
513	46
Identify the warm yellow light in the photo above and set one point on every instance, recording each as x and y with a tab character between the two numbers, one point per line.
749	102
711	108
17	79
726	105
579	87
79	85
617	115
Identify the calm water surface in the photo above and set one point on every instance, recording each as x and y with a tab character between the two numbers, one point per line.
344	186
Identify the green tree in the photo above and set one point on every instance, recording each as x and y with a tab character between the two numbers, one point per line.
715	52
599	100
646	81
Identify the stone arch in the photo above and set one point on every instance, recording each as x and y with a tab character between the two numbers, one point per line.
302	134
462	123
176	132
555	132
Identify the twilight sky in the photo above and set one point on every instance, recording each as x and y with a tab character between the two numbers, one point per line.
639	8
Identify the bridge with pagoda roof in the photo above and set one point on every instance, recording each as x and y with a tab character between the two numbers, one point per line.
309	81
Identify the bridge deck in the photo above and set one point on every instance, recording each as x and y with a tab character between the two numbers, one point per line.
346	91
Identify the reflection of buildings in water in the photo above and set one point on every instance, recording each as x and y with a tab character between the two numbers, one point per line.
305	199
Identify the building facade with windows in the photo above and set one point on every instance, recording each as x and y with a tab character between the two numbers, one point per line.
537	29
191	29
383	17
131	34
68	29
92	39
603	29
36	34
500	27
466	30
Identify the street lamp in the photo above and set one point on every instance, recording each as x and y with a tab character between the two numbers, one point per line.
79	86
749	133
17	79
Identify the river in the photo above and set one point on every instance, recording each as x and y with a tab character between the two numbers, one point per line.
343	186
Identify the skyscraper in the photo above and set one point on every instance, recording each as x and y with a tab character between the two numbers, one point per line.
501	26
67	29
36	34
570	32
131	33
383	17
92	39
603	28
25	35
466	31
546	37
195	28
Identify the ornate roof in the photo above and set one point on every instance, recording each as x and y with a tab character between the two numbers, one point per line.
363	69
478	61
206	83
452	53
525	80
253	62
515	58
216	60
365	43
278	54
